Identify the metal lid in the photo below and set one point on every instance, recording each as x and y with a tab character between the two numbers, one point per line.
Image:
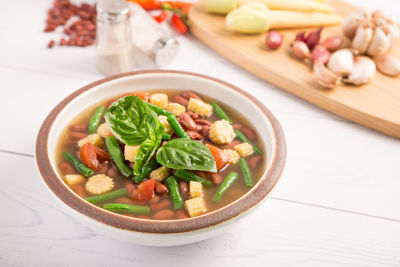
165	50
112	10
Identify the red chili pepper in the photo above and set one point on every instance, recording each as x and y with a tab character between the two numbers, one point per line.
148	4
178	24
161	17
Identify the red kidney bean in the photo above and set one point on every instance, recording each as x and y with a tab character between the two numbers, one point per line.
187	122
237	126
164	196
193	115
255	161
203	122
204	131
190	94
161	205
216	178
164	215
103	168
129	186
51	44
201	174
77	135
181	214
184	187
112	172
231	145
154	199
194	135
249	133
160	188
79	190
80	127
66	168
180	100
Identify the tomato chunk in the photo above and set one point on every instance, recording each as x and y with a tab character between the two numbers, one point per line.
220	157
91	155
144	191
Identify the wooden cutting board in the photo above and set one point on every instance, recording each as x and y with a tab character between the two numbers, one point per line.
375	105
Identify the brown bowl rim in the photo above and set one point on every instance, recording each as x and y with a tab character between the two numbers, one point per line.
66	195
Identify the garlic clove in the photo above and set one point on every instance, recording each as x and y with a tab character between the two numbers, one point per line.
380	43
324	76
352	21
388	64
301	50
341	62
362	39
363	70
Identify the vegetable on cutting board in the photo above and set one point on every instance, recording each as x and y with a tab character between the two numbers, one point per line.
226	6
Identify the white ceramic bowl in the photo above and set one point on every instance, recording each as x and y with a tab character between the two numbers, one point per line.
163	232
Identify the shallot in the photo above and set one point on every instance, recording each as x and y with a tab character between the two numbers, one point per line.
274	39
332	43
320	54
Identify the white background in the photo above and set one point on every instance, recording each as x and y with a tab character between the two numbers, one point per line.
337	202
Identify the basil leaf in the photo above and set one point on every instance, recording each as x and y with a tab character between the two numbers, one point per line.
133	123
128	118
186	154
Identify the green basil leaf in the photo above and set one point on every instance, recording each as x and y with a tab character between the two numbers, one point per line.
186	154
128	118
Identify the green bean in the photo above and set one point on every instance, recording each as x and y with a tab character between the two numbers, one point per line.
107	196
158	110
79	166
248	177
190	176
152	165
116	154
226	183
126	208
220	113
174	192
96	119
176	126
243	138
166	136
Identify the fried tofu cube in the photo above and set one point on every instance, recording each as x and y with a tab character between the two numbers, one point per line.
232	155
95	139
72	179
130	152
165	123
221	132
99	184
104	131
199	107
159	174
195	206
160	100
196	189
244	149
176	109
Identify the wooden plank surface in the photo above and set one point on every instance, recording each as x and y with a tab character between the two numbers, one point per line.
375	105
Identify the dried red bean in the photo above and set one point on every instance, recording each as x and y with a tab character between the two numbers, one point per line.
204	131
203	122
103	168
254	161
77	135
125	200
79	190
80	127
51	44
187	122
249	133
129	186
216	178
161	205
63	42
193	115
190	94
194	135
154	199
112	172
231	145
160	188
237	126
164	215
184	187
66	168
201	174
181	214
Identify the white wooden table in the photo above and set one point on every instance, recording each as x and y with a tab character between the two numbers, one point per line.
336	204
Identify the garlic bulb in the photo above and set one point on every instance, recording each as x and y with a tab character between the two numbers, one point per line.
324	76
380	43
363	70
351	22
341	62
362	39
388	65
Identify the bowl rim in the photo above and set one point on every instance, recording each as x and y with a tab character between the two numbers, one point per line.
230	211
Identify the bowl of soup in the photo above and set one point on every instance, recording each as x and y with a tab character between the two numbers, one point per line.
160	158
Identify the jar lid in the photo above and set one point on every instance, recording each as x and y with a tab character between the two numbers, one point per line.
165	50
112	10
